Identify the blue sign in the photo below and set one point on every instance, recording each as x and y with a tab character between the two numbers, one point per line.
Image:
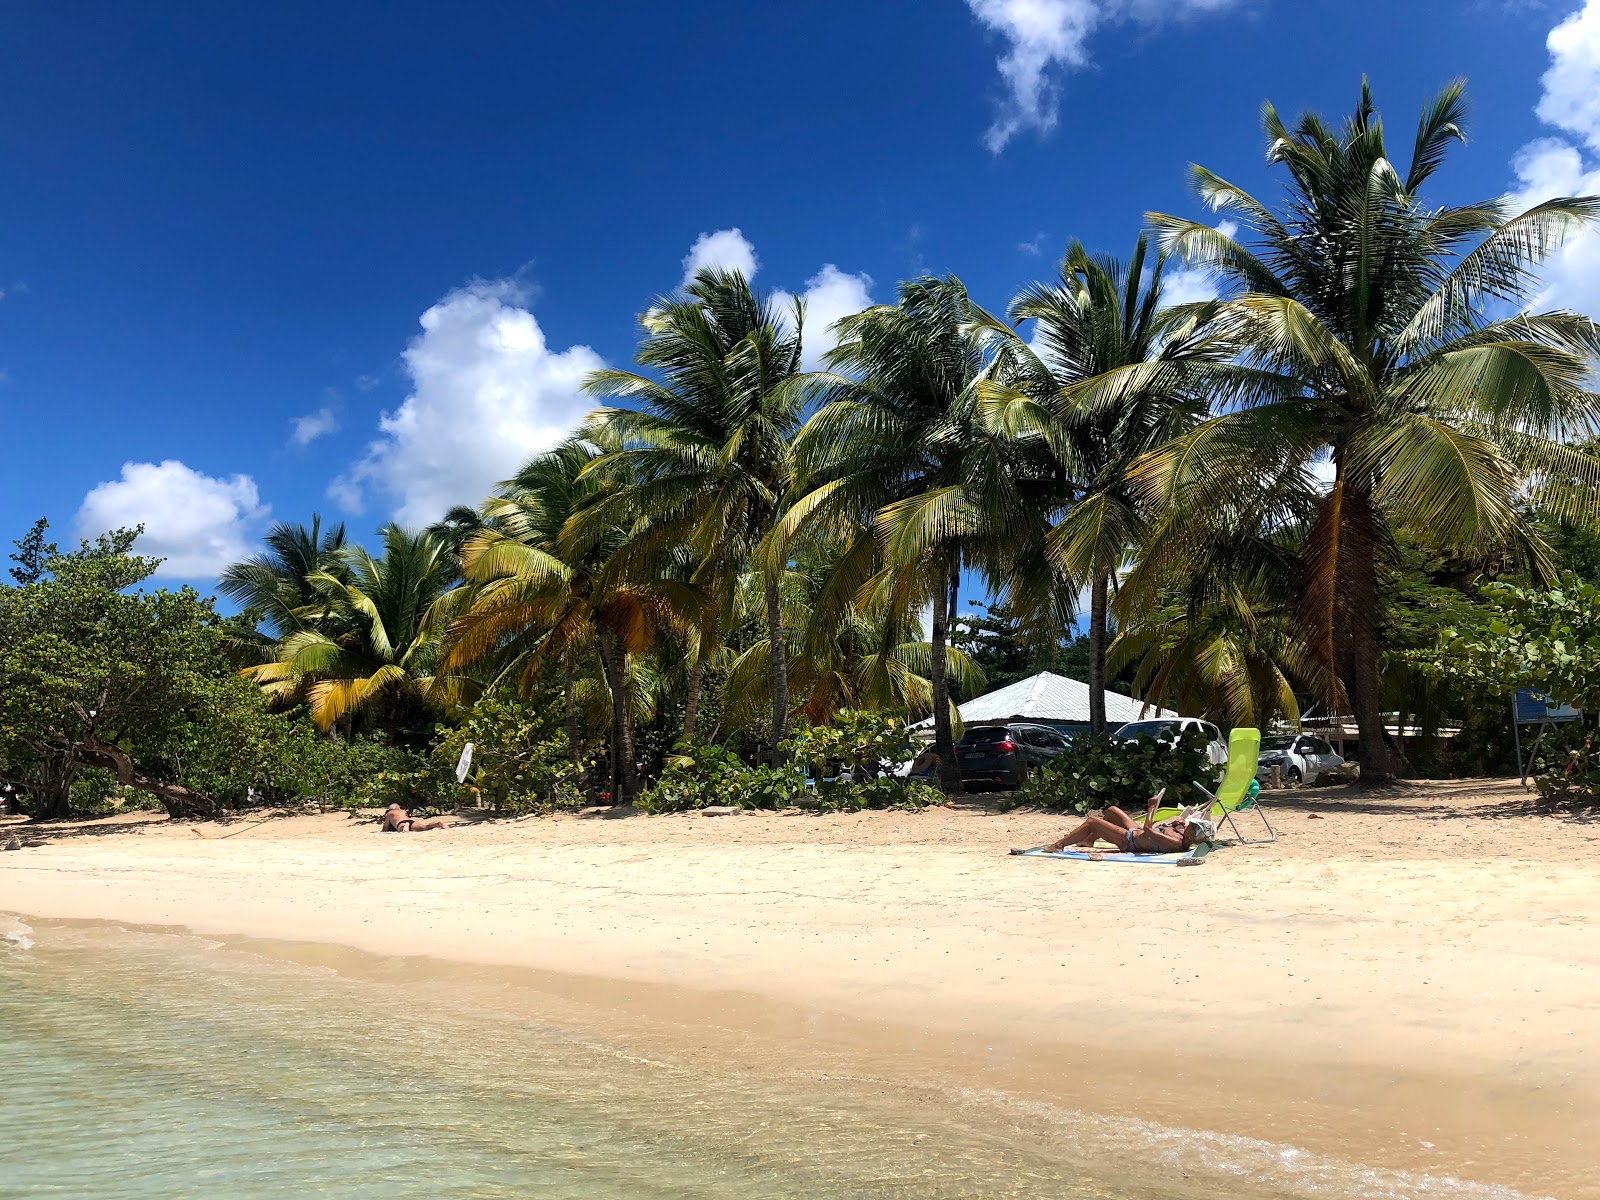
1535	708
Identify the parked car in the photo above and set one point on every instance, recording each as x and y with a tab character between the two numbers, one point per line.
1303	758
1169	729
1003	755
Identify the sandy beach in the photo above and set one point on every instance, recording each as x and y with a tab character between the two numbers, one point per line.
1409	980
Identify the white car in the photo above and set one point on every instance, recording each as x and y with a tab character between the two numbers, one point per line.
1169	729
1301	757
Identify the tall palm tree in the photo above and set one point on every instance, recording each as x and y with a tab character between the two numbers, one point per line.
850	655
1367	324
276	582
909	469
707	453
368	641
1118	375
548	575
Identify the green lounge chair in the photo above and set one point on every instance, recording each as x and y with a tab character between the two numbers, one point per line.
1233	793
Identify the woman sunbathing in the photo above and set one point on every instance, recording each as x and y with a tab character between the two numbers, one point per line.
1118	828
398	820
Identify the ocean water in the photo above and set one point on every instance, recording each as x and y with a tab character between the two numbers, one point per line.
139	1064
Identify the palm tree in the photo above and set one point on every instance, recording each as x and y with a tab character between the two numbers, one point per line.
368	641
548	574
850	655
1366	324
707	455
1118	375
276	583
909	469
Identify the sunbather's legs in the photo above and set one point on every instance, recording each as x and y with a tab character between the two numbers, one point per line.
1117	817
1090	830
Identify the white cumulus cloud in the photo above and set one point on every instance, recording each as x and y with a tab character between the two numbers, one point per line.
1045	39
829	295
487	394
724	249
1555	166
307	429
197	523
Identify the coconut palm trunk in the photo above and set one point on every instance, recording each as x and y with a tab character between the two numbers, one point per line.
1099	590
570	701
624	783
780	671
1380	758
938	676
691	700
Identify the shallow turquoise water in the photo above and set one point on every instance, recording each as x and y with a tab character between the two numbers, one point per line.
140	1065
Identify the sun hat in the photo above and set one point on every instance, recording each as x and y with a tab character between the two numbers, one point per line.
1204	829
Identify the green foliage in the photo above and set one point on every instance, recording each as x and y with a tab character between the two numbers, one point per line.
92	673
992	637
33	553
521	762
1094	772
1567	768
700	776
1525	637
865	742
886	791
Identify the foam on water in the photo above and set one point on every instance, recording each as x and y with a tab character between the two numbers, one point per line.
140	1065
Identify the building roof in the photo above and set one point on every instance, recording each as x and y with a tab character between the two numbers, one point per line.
1049	697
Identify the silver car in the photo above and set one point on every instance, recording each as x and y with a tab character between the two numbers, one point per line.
1300	757
1169	729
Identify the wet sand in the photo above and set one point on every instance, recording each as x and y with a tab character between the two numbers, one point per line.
1408	981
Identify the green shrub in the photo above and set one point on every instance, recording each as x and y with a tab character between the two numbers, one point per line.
520	759
1095	772
1567	767
886	791
864	742
700	776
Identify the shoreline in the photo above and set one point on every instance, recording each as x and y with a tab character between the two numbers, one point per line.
1425	997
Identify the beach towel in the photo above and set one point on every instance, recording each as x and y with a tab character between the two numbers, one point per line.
1192	857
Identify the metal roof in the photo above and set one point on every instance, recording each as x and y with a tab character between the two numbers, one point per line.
1049	697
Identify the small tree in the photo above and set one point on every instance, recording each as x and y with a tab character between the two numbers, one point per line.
94	675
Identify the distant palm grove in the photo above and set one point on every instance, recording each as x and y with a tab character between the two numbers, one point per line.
1245	508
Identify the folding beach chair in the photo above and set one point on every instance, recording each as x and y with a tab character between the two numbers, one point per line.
1233	793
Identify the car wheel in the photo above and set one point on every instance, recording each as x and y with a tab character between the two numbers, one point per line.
1293	776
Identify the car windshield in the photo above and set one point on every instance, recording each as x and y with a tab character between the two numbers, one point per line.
986	736
1149	729
1276	743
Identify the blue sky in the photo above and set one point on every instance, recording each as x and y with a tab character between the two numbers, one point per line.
220	225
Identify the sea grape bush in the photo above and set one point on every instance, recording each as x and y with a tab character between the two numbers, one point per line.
699	776
1094	772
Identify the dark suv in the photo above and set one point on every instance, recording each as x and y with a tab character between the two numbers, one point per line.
1002	755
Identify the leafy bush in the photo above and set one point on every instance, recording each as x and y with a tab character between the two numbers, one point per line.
862	741
521	762
886	791
700	776
1095	772
1567	767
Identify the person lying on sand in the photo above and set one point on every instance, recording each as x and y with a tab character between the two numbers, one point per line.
398	820
1118	828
